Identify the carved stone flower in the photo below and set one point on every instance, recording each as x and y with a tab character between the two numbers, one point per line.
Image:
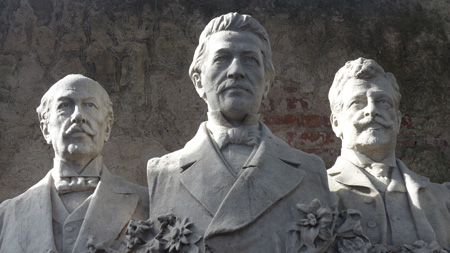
138	233
171	236
177	235
349	234
312	230
314	222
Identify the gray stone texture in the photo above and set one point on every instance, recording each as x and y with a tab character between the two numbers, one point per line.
140	52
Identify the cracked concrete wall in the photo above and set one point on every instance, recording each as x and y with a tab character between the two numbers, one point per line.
140	51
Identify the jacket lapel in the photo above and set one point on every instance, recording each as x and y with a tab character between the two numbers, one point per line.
271	174
415	184
351	175
204	174
37	211
109	212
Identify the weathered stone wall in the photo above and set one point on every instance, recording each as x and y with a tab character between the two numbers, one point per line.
140	52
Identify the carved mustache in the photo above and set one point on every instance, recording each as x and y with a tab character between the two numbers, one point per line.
360	124
234	85
74	128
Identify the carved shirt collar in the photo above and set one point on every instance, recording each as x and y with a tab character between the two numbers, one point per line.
92	169
224	133
362	161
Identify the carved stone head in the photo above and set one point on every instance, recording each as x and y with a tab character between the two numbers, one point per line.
76	117
232	68
365	102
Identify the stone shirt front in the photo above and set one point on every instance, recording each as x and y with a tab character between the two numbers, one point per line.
394	195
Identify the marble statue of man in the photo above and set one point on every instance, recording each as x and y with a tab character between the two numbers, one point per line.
234	185
398	206
79	205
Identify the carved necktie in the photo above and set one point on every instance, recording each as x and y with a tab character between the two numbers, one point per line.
381	172
246	136
76	184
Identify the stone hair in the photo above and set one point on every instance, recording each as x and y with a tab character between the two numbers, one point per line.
360	68
233	22
43	109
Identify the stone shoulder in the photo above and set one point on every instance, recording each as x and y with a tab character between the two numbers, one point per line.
306	159
310	163
33	190
142	191
441	192
9	206
167	162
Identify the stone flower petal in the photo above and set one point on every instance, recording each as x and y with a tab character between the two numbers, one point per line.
308	235
325	215
311	208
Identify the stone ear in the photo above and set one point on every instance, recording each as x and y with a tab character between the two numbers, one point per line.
196	79
108	130
399	121
335	125
266	88
44	128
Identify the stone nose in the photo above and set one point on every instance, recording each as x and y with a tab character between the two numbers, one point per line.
371	109
235	70
77	116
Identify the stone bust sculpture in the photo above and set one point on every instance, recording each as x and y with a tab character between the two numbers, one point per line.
79	205
235	185
398	206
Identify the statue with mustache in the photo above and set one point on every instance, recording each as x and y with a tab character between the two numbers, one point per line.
235	185
399	207
79	206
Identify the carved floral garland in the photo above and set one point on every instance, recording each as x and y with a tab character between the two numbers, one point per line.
174	236
318	229
315	229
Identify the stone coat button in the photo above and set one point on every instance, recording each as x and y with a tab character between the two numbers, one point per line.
368	200
69	228
69	241
371	224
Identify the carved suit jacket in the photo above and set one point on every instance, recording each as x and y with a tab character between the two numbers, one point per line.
429	203
26	220
251	213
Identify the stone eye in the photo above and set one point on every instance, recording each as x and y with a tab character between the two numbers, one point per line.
63	105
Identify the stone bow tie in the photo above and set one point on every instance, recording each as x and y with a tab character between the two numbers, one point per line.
245	136
381	172
76	184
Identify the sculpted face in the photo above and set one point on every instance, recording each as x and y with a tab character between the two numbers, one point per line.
232	79
369	118
77	126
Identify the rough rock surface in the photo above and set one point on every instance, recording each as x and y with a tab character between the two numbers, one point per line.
140	51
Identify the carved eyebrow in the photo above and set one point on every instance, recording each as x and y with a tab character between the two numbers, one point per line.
380	94
222	51
92	99
63	99
357	96
252	52
228	51
66	98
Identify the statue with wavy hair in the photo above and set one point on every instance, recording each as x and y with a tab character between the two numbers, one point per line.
235	186
400	209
